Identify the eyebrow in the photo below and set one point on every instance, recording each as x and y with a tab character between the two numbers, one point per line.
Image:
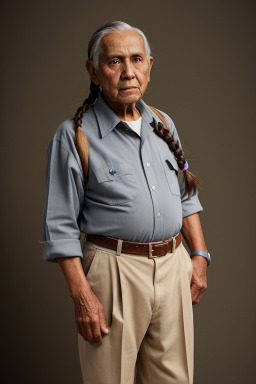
120	56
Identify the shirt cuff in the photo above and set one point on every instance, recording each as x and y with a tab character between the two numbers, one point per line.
191	206
61	248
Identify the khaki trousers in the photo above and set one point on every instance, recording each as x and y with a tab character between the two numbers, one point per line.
148	309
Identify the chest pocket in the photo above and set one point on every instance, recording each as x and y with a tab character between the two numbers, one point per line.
171	172
116	183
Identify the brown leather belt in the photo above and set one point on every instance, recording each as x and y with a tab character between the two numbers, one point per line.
154	249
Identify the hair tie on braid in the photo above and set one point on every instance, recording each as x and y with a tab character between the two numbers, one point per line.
185	167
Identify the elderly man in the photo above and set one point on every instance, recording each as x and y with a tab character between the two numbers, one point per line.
113	222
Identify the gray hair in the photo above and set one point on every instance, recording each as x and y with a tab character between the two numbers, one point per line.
95	48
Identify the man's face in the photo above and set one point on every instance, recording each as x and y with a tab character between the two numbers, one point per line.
124	71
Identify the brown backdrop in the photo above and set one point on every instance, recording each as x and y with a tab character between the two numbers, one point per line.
204	78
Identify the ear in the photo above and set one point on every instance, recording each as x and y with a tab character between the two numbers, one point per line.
150	66
92	71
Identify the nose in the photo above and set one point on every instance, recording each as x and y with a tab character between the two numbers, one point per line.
127	70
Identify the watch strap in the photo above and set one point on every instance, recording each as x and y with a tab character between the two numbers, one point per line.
206	255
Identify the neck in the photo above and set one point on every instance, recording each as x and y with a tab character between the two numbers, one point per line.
125	112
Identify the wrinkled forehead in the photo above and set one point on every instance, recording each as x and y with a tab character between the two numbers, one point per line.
123	43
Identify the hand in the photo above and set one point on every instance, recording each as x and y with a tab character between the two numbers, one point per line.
89	316
199	279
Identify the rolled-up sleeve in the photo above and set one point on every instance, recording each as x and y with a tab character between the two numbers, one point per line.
190	205
64	196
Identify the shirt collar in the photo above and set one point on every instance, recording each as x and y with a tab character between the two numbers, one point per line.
108	120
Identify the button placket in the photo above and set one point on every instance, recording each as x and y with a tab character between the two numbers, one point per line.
153	187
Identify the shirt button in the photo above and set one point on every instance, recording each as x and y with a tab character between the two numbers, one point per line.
159	214
148	164
153	187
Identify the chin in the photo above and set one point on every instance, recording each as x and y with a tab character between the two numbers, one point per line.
129	99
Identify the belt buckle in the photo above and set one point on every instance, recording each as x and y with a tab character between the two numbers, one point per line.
150	250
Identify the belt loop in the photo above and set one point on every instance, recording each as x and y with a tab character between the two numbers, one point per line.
119	247
173	243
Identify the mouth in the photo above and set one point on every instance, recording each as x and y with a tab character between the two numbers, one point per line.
127	88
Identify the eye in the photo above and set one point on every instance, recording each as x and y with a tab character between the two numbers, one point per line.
114	61
137	59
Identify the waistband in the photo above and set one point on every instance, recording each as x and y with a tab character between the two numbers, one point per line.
151	250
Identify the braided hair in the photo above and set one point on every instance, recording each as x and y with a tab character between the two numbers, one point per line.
80	138
192	183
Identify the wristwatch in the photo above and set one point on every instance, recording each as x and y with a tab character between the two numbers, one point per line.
204	254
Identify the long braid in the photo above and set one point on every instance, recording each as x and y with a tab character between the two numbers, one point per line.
192	183
80	138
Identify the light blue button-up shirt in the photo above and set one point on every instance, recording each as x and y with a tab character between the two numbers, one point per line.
132	191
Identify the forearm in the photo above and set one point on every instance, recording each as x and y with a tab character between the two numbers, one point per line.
193	233
74	274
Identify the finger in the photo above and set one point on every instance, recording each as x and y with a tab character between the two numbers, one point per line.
81	319
88	330
196	293
78	325
78	318
102	320
95	326
82	328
